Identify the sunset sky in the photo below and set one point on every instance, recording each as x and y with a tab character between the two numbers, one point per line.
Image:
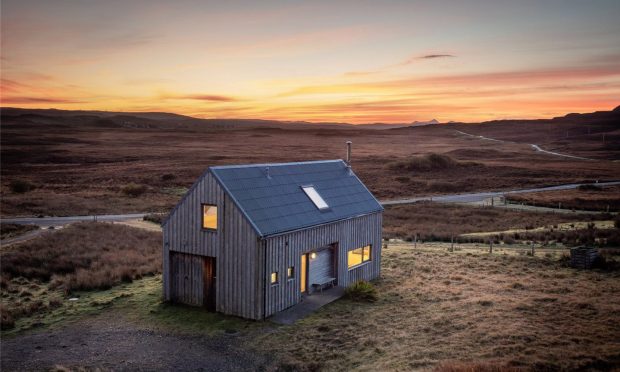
347	61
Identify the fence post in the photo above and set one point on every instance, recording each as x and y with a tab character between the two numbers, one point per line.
533	251
415	240
490	245
451	243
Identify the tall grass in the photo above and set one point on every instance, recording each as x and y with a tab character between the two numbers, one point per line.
86	256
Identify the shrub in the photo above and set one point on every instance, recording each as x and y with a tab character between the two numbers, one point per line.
133	190
589	188
21	186
362	291
157	218
168	177
426	163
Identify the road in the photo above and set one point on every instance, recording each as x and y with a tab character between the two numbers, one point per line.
480	196
534	146
454	198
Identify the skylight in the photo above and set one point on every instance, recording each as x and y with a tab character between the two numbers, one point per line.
315	197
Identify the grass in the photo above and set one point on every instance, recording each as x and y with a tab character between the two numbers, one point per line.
585	197
39	273
427	163
462	312
440	222
9	230
139	301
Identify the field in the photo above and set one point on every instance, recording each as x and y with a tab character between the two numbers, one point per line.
589	199
435	310
461	308
39	274
54	164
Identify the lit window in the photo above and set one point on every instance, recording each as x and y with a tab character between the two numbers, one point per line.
274	277
290	273
358	256
315	197
209	217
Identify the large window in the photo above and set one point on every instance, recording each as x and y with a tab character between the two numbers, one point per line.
209	217
358	256
315	197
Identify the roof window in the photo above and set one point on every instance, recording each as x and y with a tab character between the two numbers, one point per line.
315	197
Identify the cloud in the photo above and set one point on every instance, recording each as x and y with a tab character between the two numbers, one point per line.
203	97
34	100
433	56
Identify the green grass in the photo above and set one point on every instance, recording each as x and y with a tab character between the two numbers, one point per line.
139	301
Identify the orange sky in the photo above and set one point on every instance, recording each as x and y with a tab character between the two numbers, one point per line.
348	61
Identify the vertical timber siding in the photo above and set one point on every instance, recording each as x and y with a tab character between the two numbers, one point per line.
285	250
234	245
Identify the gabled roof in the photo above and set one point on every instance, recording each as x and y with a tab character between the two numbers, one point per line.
272	198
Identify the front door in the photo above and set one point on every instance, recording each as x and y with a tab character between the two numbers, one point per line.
304	273
208	278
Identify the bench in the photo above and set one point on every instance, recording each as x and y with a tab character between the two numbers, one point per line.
321	284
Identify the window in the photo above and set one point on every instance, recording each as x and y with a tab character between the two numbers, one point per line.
290	273
209	217
315	197
358	256
274	277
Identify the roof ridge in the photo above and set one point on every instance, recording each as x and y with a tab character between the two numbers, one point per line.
275	164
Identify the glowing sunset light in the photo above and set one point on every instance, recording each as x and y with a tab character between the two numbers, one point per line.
348	61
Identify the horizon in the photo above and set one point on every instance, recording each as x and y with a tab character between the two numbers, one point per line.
357	63
307	121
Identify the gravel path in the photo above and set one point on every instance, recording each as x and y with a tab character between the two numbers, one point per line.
109	342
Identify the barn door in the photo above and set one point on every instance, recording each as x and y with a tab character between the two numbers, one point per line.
208	278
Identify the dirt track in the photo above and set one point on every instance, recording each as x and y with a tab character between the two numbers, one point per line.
109	341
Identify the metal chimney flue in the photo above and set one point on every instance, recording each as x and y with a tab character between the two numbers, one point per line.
349	143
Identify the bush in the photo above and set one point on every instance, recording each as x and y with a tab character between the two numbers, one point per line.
157	218
168	177
21	186
424	163
133	190
362	291
589	188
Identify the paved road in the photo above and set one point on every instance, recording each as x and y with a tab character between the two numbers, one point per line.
59	221
480	196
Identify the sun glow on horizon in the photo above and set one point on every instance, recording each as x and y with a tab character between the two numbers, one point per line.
357	62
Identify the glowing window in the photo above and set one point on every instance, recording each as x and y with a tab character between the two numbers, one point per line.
315	197
274	277
358	256
290	273
209	217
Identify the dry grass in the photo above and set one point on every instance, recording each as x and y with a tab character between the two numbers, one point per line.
84	256
434	221
591	199
463	312
99	157
9	230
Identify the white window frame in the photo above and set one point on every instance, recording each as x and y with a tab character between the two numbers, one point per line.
315	197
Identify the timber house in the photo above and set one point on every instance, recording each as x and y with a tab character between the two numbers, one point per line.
253	240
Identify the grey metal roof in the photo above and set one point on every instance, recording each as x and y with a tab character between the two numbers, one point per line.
274	202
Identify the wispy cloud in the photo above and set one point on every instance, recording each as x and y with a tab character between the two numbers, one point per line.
203	97
433	56
32	100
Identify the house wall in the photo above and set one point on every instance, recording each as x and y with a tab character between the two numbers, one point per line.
234	245
285	250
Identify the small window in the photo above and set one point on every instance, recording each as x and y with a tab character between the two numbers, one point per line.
315	197
290	272
274	277
209	217
358	256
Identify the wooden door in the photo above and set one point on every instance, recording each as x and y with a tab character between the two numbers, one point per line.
208	278
303	277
